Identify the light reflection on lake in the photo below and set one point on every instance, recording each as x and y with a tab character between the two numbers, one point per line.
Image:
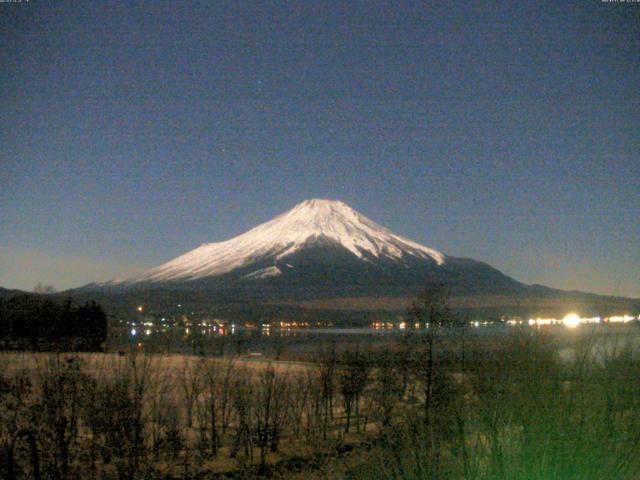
605	339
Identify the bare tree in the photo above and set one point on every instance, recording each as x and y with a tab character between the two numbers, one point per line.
430	309
190	381
314	416
388	386
116	415
327	372
353	376
229	371
162	408
299	401
242	393
269	410
215	376
61	381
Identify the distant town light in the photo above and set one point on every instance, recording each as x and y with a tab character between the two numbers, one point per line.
140	308
572	320
133	332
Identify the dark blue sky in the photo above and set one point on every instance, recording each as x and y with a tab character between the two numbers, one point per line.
507	132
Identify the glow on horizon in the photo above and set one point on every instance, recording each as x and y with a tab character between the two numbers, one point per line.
571	320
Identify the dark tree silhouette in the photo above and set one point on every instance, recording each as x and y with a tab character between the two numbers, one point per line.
38	322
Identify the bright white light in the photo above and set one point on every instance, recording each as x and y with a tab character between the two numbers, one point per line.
133	332
572	320
543	321
147	332
590	320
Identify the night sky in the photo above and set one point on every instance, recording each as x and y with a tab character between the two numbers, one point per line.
132	132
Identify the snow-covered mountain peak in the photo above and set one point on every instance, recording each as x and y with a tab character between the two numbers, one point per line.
309	221
322	216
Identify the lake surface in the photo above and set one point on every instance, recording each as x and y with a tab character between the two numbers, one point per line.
278	342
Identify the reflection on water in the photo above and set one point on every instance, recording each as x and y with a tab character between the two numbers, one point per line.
214	339
600	345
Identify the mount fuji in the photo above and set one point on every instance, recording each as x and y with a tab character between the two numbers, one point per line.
322	255
318	247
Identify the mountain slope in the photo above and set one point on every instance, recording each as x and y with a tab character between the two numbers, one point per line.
6	292
312	223
324	253
318	249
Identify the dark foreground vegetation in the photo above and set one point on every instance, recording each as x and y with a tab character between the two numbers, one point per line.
37	322
436	405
